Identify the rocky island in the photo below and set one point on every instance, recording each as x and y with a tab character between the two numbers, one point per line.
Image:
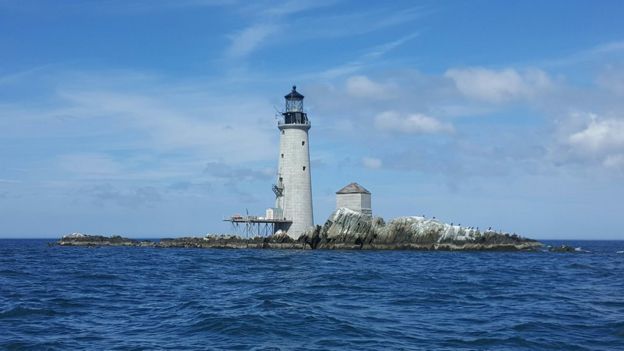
344	230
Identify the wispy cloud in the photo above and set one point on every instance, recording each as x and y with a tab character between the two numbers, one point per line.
105	194
89	165
285	8
16	77
235	178
236	174
279	19
391	121
381	50
362	87
249	39
499	85
592	54
173	123
358	23
134	132
369	57
112	6
267	21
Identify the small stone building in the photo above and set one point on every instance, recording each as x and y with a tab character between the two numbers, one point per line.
354	197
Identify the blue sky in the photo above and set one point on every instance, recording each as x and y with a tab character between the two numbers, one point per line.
156	118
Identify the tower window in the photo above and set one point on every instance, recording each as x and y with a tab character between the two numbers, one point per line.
282	155
282	131
304	168
302	143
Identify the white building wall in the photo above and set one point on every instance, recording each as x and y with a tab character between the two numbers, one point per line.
358	202
366	204
350	201
294	169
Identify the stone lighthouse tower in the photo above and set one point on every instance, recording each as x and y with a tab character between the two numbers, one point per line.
293	190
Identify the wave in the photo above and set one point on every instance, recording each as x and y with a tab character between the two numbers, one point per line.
20	311
313	300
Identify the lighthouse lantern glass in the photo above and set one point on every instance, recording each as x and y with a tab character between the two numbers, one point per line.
294	105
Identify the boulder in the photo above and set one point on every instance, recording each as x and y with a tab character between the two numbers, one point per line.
563	248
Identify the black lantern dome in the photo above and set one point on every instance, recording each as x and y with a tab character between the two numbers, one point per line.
294	108
294	94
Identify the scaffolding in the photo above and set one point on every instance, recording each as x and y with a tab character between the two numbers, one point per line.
252	226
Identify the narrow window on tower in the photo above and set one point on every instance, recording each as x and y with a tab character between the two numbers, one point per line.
302	143
282	155
282	131
304	168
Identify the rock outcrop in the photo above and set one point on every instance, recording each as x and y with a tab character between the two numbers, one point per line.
565	249
345	229
79	239
277	241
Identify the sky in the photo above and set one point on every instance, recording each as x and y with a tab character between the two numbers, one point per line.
154	118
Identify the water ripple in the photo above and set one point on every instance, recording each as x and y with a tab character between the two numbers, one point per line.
55	298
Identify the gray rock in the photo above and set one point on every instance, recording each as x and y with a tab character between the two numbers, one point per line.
345	230
563	248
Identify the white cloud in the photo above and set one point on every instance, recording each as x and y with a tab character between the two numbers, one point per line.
140	196
371	162
614	161
593	140
499	85
173	123
249	39
392	121
599	136
363	87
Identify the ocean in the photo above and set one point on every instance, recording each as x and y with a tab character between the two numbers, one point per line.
73	298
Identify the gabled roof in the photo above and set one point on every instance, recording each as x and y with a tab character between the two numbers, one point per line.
353	188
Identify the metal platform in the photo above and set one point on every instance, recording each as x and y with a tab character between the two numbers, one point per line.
250	226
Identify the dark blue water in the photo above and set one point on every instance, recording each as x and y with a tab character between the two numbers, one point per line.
63	298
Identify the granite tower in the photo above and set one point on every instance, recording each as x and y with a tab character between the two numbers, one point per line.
293	190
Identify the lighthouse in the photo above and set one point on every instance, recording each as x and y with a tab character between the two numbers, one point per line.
293	189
